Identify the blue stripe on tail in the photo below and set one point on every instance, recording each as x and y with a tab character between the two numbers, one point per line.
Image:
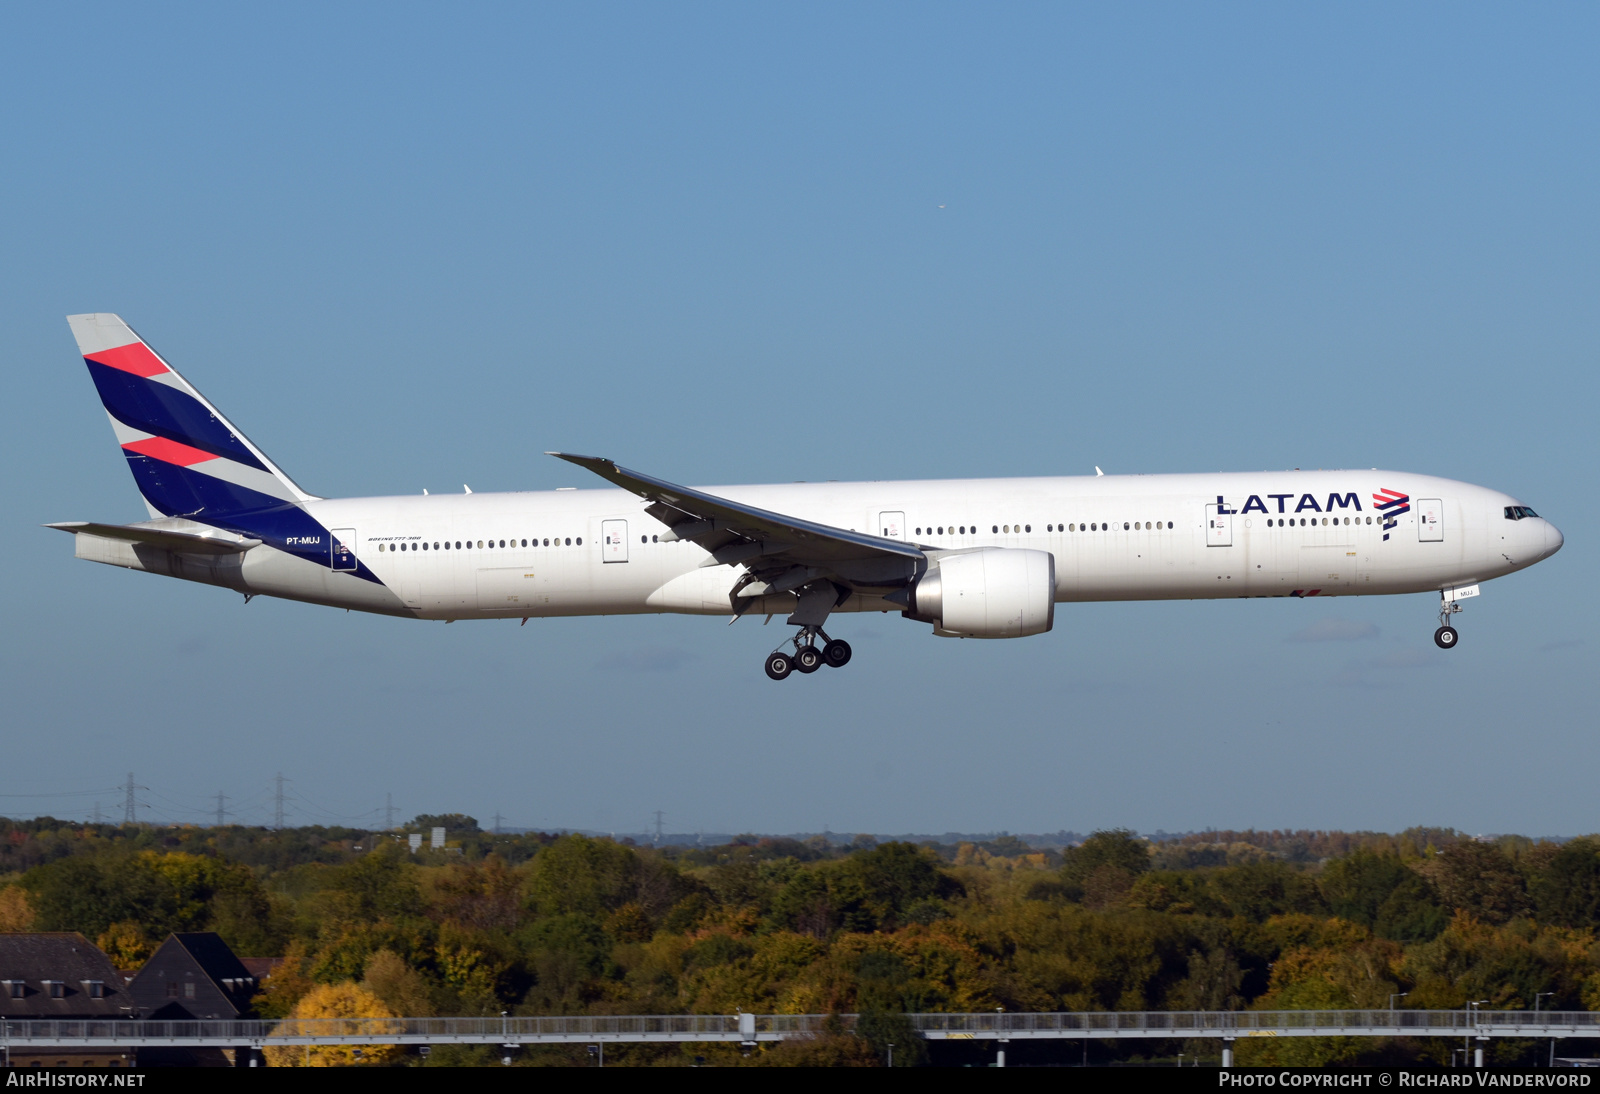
167	412
184	492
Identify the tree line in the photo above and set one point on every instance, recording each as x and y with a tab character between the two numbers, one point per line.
545	924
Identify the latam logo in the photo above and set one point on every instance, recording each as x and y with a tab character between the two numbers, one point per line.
1391	503
1254	504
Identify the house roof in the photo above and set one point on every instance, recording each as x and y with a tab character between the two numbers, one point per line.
36	960
193	975
261	967
213	955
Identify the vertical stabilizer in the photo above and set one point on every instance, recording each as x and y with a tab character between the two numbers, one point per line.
187	459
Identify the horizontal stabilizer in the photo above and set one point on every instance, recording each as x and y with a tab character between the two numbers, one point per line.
222	544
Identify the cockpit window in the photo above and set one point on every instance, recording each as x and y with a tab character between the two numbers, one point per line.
1518	512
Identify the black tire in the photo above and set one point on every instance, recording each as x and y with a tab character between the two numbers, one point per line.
779	666
836	653
808	659
1445	638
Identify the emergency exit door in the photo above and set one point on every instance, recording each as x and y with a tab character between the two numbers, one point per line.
613	541
892	525
1219	527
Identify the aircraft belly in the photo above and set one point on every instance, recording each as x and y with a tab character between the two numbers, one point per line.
270	572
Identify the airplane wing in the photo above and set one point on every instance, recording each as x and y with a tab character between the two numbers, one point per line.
157	537
781	553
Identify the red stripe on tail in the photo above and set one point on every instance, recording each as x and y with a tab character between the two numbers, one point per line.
135	357
159	448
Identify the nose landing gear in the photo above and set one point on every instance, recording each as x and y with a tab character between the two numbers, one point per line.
807	657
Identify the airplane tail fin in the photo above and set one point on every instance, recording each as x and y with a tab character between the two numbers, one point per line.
187	459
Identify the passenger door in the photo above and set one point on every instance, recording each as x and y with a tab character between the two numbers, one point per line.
613	541
1430	520
892	525
1219	527
342	548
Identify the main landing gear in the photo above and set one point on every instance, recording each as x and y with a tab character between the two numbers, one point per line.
1446	637
807	658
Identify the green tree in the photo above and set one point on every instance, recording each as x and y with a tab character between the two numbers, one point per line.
379	885
456	824
1479	879
1119	848
1103	868
1379	890
1566	891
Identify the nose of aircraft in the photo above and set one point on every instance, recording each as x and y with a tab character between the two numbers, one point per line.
1553	539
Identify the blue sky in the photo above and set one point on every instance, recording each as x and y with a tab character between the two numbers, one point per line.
417	246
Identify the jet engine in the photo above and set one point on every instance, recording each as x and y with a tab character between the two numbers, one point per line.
993	592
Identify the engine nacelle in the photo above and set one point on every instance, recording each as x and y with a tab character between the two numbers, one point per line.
994	592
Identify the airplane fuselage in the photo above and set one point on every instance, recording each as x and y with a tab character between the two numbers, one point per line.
1113	537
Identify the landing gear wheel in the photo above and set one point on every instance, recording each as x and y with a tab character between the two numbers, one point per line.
779	666
1445	638
808	659
836	653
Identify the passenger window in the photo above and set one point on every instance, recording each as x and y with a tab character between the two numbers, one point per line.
1124	526
569	543
580	541
995	529
1028	528
655	539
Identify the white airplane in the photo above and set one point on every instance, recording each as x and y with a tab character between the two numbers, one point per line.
976	558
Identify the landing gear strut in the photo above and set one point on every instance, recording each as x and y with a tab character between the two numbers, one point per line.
1446	637
807	657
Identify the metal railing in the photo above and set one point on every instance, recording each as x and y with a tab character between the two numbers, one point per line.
775	1027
